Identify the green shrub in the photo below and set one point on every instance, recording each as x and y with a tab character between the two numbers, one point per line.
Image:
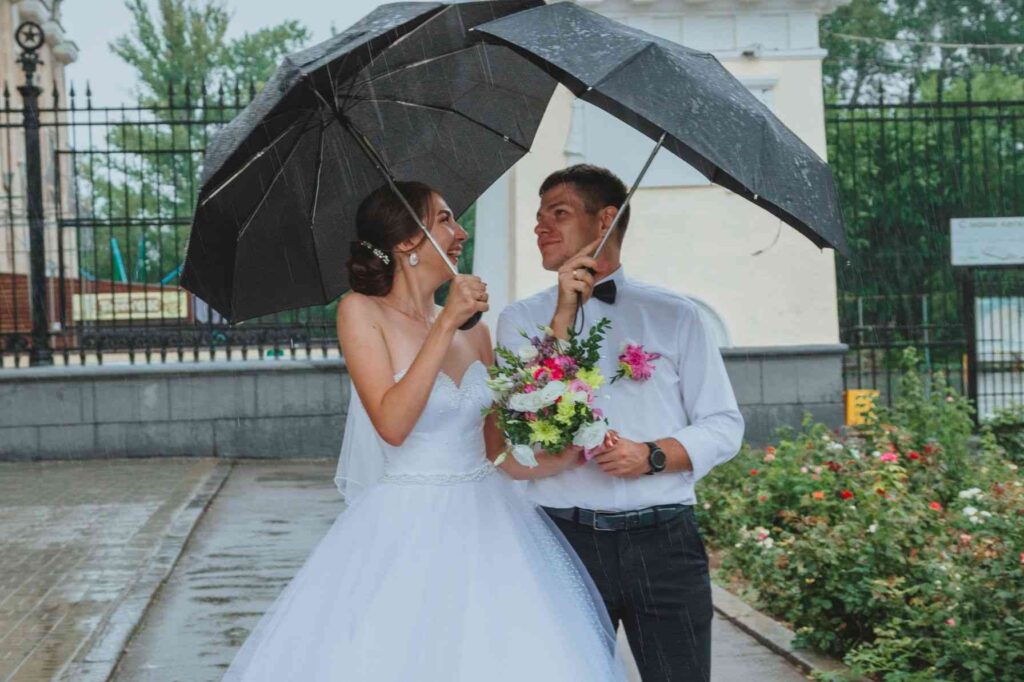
898	547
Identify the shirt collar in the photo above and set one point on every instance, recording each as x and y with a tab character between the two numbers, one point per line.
618	276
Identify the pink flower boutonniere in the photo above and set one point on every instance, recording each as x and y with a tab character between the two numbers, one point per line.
635	363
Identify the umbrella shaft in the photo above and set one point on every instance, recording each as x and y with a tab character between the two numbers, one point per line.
636	183
379	163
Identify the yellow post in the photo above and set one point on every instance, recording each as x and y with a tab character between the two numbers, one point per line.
859	402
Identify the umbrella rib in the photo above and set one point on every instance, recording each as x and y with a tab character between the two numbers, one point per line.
447	110
413	65
252	159
316	201
273	181
636	55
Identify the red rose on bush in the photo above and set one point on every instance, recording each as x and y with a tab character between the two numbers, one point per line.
846	494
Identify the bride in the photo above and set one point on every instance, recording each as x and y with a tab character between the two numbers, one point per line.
438	570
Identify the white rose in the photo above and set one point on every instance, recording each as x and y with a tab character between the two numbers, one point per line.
524	455
528	353
590	435
969	494
550	393
970	511
525	402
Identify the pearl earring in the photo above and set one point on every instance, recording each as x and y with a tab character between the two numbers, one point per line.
414	259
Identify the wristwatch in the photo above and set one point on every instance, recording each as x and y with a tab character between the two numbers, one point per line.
656	459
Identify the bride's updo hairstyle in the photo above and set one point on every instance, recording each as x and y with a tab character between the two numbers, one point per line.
382	223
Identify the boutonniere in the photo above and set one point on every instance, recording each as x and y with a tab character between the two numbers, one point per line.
636	363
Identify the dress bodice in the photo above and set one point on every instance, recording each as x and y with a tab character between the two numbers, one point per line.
447	443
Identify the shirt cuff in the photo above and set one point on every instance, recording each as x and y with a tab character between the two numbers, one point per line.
701	447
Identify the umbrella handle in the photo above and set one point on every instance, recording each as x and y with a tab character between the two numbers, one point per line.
472	321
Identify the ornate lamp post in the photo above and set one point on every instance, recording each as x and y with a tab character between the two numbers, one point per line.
30	38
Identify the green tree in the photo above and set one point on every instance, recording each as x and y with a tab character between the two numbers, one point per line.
861	70
191	78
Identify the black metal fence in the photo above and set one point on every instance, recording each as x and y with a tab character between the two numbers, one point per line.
118	189
904	169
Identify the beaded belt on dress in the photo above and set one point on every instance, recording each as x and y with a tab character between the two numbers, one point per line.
439	478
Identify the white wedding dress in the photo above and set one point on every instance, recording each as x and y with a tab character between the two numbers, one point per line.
441	571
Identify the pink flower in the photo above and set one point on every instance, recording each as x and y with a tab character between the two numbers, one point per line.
565	363
804	470
935	505
769	458
636	363
965	539
889	457
529	388
951	622
598	414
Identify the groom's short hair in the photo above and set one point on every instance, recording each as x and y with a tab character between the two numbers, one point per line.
598	187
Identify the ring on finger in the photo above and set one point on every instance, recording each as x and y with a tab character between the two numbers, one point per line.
575	274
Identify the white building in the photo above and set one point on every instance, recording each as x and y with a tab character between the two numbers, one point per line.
769	293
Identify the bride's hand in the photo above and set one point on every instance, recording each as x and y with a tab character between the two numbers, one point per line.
467	295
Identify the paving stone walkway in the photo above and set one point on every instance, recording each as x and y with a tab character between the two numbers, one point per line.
76	541
254	537
200	546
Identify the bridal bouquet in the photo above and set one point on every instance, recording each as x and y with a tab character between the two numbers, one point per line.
545	394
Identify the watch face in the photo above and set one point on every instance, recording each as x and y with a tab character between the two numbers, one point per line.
658	460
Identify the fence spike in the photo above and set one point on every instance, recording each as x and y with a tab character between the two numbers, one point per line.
88	95
188	93
170	93
238	95
220	94
252	90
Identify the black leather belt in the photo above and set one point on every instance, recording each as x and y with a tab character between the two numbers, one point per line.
627	520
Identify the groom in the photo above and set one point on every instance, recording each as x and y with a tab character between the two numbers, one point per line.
628	513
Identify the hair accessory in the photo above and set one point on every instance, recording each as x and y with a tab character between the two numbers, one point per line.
377	252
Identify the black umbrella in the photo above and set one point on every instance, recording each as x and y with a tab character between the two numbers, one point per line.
401	94
687	101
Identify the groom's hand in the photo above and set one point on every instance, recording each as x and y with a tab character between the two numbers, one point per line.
625	458
575	286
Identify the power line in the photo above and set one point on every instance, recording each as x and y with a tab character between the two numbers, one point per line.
929	43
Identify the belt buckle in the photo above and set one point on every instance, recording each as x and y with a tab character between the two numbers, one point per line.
598	517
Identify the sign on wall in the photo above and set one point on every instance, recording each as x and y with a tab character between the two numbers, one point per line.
987	241
124	306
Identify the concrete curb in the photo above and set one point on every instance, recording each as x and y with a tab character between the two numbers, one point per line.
100	656
774	635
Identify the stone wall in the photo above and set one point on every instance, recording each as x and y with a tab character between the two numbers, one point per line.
296	408
277	408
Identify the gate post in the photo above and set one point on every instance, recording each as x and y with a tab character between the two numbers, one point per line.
971	336
30	38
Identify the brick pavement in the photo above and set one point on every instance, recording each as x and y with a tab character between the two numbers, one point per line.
75	539
254	537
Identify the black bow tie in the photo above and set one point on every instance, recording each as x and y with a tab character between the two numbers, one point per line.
605	291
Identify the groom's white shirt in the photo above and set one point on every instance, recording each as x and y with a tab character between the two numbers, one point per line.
688	398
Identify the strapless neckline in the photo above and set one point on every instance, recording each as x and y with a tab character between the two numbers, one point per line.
458	386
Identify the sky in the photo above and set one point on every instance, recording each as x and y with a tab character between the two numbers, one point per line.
93	24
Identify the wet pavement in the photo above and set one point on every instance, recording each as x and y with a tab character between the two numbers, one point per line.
254	537
86	547
76	539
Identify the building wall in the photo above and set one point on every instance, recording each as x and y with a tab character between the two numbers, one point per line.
769	285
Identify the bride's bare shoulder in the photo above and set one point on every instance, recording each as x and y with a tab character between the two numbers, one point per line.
356	308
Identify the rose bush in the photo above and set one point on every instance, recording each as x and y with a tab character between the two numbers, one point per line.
898	547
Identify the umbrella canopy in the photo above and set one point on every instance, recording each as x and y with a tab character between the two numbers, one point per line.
709	118
405	92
